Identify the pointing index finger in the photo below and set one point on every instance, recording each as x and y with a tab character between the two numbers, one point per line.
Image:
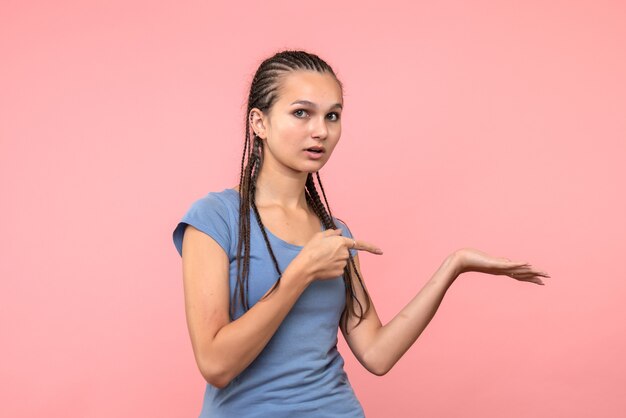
356	244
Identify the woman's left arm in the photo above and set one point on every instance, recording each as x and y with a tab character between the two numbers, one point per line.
379	347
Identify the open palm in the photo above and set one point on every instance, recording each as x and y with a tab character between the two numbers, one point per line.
470	259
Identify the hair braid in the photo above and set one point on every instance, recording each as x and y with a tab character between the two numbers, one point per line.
264	91
326	214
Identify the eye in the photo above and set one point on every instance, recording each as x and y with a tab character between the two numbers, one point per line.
336	118
299	113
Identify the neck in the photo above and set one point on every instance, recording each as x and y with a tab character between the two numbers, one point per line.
274	188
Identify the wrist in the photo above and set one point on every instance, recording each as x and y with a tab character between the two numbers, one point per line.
299	273
455	262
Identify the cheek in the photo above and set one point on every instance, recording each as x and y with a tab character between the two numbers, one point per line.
289	131
286	141
336	133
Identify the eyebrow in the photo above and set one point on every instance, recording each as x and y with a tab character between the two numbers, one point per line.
309	103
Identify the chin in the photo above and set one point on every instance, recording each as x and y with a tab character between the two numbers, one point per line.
308	170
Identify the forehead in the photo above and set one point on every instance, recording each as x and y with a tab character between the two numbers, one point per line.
320	88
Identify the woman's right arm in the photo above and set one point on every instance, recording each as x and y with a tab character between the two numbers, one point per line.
222	348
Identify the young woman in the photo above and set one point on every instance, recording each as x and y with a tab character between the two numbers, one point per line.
270	274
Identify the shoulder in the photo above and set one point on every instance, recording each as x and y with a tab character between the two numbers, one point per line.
342	224
346	232
217	208
217	202
215	214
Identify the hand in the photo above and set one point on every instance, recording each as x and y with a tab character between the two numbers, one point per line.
469	259
326	254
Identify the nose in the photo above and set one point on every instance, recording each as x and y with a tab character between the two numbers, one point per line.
319	128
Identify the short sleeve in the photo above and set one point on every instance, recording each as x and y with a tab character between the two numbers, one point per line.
209	215
346	233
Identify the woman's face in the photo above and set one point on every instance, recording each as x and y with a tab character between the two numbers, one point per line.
307	114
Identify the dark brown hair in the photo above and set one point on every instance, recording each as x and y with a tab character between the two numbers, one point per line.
263	94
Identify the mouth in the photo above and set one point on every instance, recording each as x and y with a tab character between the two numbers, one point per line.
315	153
316	149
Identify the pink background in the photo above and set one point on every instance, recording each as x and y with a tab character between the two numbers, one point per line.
495	125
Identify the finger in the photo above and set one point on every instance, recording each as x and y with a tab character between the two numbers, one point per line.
528	271
523	274
527	277
355	244
534	279
509	263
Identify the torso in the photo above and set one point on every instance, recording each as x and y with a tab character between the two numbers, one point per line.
299	373
296	227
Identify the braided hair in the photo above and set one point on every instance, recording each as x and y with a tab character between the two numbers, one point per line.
263	94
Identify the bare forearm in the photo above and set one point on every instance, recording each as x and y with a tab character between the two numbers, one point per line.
238	343
394	339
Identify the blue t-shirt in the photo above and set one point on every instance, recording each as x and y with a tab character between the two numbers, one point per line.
299	373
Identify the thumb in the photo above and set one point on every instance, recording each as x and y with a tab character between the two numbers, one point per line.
331	232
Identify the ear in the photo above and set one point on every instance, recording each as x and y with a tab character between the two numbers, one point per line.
258	122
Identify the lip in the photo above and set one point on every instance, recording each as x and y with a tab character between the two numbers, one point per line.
316	147
314	155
